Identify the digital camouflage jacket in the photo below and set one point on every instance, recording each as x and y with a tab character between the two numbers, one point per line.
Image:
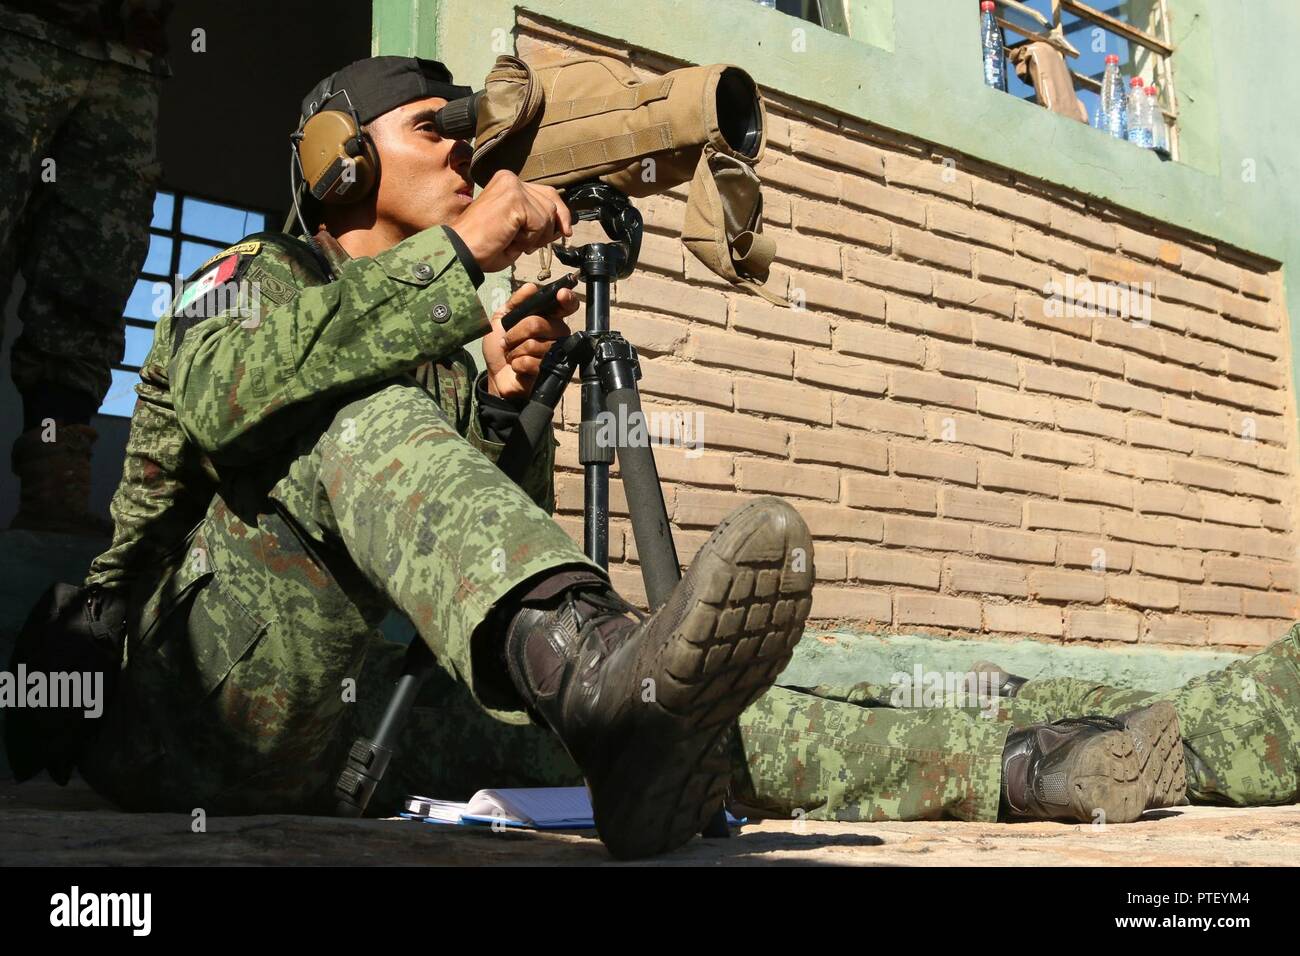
256	338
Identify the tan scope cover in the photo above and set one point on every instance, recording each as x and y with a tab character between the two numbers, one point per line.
560	121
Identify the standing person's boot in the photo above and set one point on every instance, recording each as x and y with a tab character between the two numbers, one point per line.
645	706
54	480
1094	769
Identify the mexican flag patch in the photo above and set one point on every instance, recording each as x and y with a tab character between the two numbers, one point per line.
217	276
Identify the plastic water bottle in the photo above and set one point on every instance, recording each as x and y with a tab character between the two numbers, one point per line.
1159	128
1112	111
1139	114
995	57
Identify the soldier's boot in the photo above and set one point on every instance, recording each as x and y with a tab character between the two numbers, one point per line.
645	706
1159	747
1088	769
1003	683
54	481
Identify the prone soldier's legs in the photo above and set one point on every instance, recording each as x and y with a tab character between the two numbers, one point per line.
839	754
1240	724
855	752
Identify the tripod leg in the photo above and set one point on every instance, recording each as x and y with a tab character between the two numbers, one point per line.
534	423
369	757
595	457
660	567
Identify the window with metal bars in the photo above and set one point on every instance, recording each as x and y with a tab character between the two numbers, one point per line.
830	14
185	232
1137	31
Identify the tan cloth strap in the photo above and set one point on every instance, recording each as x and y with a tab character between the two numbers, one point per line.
650	139
562	111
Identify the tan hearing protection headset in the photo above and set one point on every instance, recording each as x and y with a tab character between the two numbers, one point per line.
337	160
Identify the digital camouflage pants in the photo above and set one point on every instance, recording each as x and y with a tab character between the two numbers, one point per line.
843	753
77	142
246	651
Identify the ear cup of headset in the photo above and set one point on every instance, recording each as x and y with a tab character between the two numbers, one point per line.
339	163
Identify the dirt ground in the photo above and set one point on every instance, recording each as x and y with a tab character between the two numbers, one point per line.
41	823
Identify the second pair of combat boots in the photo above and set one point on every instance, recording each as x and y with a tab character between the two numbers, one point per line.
1095	769
1090	769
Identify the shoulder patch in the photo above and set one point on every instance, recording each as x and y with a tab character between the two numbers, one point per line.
238	249
214	290
206	280
269	287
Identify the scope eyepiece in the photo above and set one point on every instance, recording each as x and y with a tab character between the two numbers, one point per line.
459	118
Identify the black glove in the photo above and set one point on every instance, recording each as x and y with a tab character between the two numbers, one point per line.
71	630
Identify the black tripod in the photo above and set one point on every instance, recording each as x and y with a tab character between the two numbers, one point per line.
609	369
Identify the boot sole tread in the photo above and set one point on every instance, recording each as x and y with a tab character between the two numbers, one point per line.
723	654
1124	773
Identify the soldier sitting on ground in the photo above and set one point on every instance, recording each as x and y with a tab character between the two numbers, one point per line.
323	450
325	484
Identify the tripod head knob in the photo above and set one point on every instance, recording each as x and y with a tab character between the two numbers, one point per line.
617	216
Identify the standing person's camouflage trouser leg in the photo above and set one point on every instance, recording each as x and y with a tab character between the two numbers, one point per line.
1240	724
244	656
78	141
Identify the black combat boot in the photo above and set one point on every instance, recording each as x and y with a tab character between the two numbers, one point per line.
1094	769
1001	682
645	706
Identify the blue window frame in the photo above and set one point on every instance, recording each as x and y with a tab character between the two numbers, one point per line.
184	232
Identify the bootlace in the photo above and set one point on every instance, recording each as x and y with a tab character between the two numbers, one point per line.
1099	721
604	599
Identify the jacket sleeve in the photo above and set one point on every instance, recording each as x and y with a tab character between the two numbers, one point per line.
241	383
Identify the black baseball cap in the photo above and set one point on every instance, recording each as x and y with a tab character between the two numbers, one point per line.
378	84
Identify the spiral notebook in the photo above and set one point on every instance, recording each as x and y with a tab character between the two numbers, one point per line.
534	808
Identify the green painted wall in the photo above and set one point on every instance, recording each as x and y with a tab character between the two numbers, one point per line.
928	86
914	66
919	74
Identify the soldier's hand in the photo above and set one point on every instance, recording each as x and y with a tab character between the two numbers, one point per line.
514	358
511	218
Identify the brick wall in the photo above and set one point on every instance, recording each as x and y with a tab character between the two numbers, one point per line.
970	459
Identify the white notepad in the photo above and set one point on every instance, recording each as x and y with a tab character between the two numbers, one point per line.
542	808
538	808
